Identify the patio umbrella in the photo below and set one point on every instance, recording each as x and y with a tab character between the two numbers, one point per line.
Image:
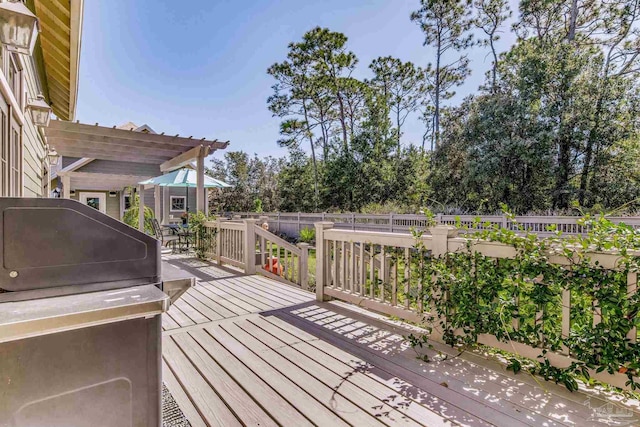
184	178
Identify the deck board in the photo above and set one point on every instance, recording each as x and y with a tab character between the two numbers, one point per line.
247	350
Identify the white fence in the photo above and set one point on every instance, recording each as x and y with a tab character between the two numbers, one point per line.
291	223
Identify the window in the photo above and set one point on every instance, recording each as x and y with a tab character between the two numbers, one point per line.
13	77
178	203
16	164
98	201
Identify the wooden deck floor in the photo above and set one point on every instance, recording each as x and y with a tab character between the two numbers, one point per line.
246	350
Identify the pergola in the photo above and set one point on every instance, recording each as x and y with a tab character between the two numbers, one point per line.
74	139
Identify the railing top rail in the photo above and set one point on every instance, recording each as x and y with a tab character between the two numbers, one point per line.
376	237
230	225
277	240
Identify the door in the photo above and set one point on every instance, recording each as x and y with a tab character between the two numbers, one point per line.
95	200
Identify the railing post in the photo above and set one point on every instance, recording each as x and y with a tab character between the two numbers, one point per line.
321	258
440	235
505	222
299	228
439	218
391	222
219	240
278	223
249	249
304	265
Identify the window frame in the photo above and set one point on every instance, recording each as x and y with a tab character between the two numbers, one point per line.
184	201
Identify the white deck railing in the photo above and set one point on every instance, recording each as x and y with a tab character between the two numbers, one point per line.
380	271
349	267
245	245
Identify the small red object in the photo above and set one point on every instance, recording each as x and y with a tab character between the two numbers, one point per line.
275	267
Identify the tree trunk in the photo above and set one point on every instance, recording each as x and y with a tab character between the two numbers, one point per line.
573	18
313	157
495	64
343	123
588	155
436	117
398	127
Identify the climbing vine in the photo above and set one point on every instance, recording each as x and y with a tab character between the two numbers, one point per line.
520	298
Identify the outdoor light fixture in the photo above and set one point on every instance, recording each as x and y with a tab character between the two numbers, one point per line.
18	27
40	111
53	156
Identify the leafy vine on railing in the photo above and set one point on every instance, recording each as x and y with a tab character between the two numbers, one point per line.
520	299
204	236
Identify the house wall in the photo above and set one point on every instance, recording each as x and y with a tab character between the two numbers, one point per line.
149	199
121	168
134	169
31	153
35	168
66	161
113	203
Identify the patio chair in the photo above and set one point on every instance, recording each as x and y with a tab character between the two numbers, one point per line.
164	239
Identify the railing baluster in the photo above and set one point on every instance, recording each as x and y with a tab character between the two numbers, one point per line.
407	278
343	265
335	264
566	316
420	297
372	272
383	272
363	268
352	267
632	288
394	277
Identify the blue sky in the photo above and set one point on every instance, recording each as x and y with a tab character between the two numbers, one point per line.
198	67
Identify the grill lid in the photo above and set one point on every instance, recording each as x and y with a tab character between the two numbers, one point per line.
54	243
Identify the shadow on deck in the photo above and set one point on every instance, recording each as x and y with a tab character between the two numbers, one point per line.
246	350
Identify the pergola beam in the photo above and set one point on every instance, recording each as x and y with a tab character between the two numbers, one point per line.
102	155
62	144
171	149
85	129
182	160
100	181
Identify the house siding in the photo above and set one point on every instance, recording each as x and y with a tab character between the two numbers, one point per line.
113	203
121	168
66	161
34	146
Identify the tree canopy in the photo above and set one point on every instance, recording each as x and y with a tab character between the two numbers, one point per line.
555	122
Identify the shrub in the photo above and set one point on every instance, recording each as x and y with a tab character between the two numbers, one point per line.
307	235
204	236
131	216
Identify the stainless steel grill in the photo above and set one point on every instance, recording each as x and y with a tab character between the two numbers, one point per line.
81	296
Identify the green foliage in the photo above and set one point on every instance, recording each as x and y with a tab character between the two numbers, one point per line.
307	235
252	178
473	294
131	216
257	206
204	237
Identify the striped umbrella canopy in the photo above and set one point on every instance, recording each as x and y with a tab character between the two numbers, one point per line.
184	178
